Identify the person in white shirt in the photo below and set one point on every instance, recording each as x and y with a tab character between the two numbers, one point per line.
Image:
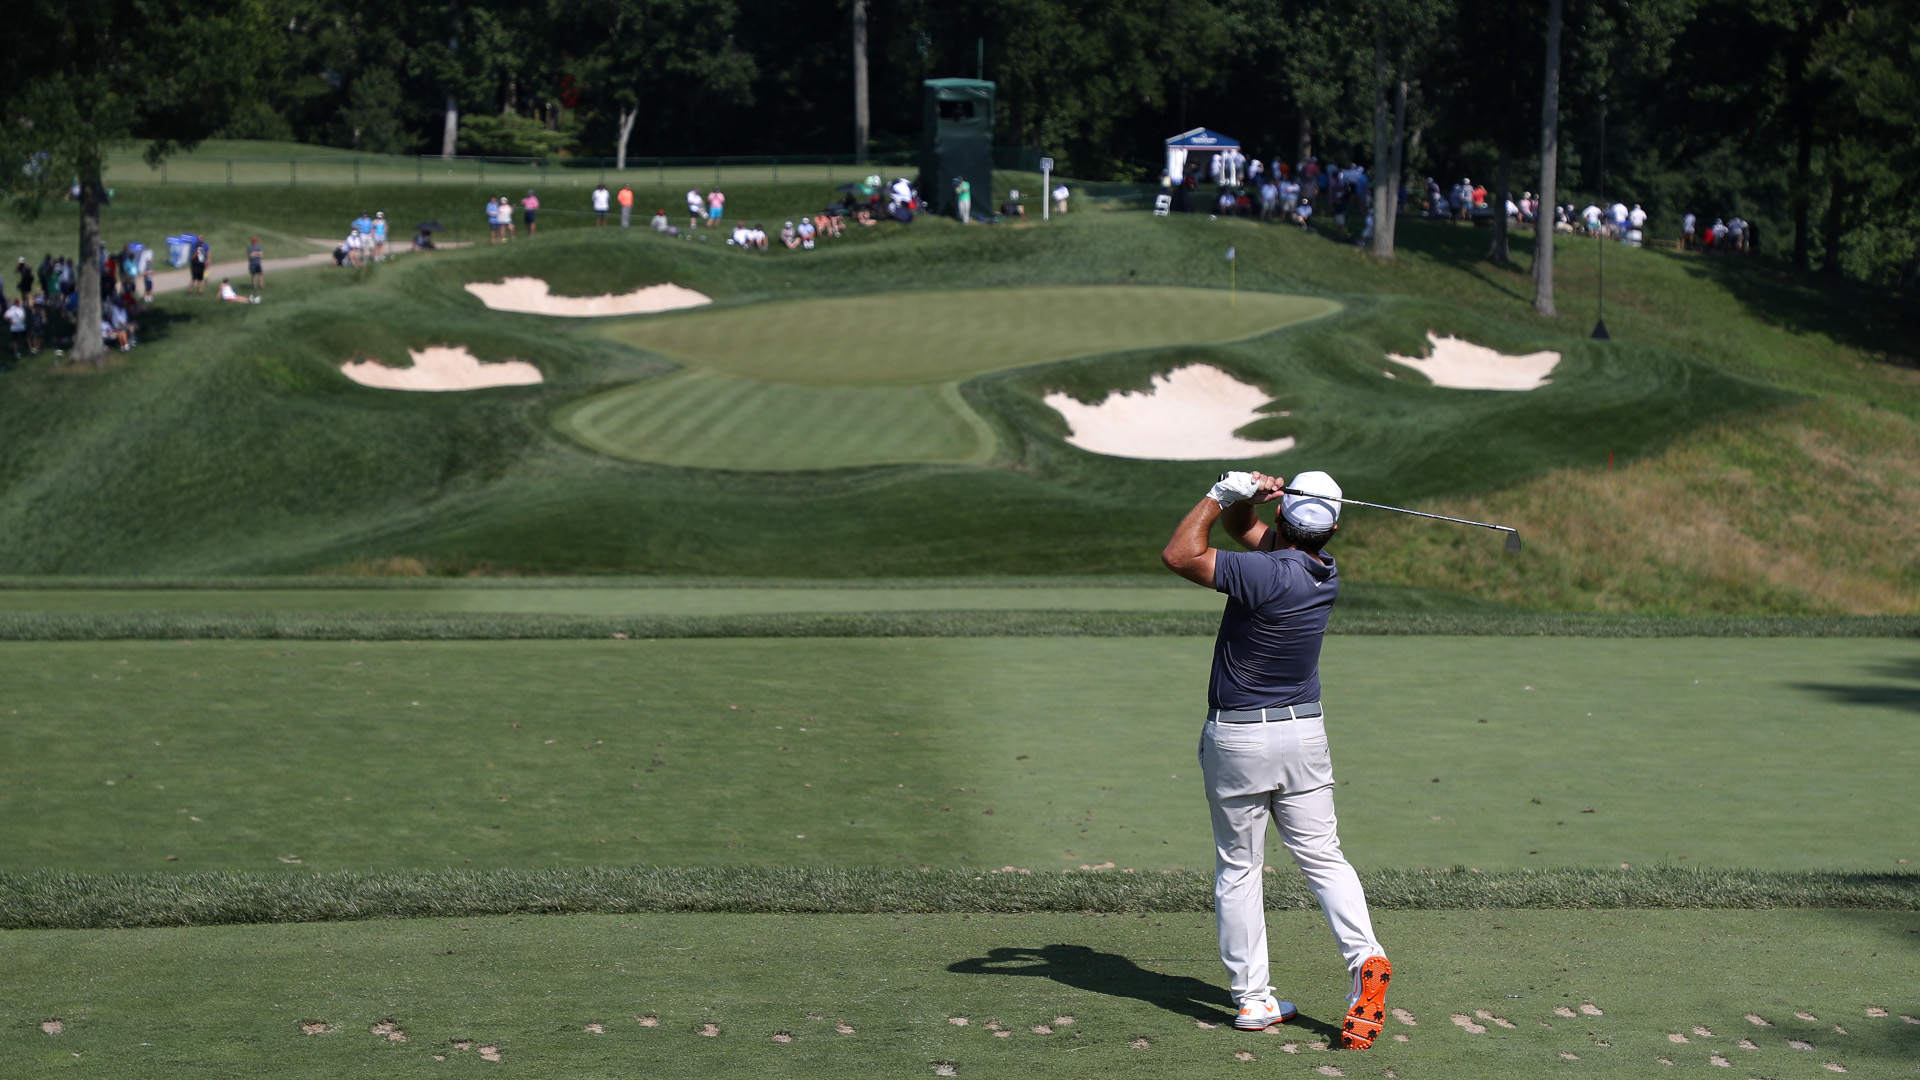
1304	215
1591	215
602	202
231	297
1687	225
696	208
354	247
1617	218
1060	198
740	236
807	232
1637	217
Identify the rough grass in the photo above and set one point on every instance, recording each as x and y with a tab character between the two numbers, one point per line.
690	995
137	625
52	900
1041	753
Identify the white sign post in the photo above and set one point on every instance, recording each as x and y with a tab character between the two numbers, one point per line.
1046	188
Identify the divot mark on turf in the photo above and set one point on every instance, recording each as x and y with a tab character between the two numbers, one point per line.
315	1027
1590	1009
1834	1066
1747	1044
1242	1055
1799	1045
1328	1070
1876	1011
1204	1026
1497	1021
1664	1061
1806	1016
710	1030
1676	1037
1141	1044
462	1044
1565	1056
489	1052
1405	1017
594	1029
1563	1011
1466	1024
1910	1019
1758	1021
1042	1029
1719	1062
1838	1030
389	1031
1063	1021
1702	1032
843	1027
945	1068
54	1026
649	1020
957	1021
783	1036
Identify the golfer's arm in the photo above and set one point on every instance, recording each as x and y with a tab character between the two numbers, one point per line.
1244	525
1188	553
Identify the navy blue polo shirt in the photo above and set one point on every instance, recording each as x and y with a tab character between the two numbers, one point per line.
1267	653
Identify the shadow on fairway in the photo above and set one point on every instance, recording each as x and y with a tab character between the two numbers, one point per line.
1110	973
1899	697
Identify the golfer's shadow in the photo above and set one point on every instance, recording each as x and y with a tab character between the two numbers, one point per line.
1110	973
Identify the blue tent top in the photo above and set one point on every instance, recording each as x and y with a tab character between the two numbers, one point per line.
1202	139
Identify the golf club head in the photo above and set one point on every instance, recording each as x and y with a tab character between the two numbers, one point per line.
1513	542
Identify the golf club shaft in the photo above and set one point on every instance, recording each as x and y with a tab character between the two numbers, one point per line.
1400	510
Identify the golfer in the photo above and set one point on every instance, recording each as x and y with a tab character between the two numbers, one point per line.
1263	751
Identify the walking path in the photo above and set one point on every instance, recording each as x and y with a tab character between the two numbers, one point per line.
178	280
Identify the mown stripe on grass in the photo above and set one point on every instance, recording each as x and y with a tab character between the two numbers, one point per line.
55	900
369	626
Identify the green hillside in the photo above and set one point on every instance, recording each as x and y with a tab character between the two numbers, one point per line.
228	443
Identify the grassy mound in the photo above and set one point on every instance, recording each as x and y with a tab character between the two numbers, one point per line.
230	443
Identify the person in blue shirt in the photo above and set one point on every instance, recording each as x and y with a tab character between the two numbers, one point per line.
1263	750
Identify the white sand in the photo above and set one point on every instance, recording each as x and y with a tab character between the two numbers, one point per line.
530	296
1189	415
441	368
1462	365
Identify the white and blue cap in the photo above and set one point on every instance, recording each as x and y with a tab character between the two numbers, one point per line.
1315	508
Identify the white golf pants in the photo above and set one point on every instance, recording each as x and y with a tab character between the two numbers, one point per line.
1284	772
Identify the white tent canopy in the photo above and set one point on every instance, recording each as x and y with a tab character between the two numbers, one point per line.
1224	160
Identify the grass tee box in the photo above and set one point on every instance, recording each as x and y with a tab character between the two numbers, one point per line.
1039	753
1789	995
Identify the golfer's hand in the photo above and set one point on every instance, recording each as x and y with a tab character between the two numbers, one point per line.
1233	487
1267	488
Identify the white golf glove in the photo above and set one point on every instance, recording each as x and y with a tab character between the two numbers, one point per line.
1233	487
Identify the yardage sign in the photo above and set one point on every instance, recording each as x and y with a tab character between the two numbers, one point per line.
1046	164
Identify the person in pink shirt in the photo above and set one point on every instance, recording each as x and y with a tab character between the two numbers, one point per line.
530	206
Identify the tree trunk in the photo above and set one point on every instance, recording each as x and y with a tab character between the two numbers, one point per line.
450	135
627	117
1803	197
1304	149
1382	144
1499	251
1549	169
1833	228
862	113
87	344
507	104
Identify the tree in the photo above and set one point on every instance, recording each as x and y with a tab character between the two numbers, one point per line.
1543	221
100	72
862	109
661	56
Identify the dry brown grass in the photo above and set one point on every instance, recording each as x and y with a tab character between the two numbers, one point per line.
1813	509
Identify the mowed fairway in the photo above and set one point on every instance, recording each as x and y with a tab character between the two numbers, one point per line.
838	382
1613	994
1041	753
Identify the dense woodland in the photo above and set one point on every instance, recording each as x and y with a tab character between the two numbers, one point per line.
1799	115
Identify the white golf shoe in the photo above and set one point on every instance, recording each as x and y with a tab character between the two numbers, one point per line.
1260	1013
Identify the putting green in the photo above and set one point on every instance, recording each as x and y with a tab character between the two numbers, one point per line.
874	380
708	419
921	338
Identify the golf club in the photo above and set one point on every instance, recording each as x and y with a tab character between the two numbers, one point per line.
1513	534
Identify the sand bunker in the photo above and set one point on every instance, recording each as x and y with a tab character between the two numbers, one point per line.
1189	415
1462	365
441	368
530	296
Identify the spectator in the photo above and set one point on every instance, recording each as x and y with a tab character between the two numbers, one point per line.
1223	203
530	209
231	297
256	269
626	206
1687	224
1303	214
1617	219
25	274
16	316
506	217
423	241
1269	200
355	247
493	221
1637	218
740	237
37	324
602	200
197	266
48	275
807	231
380	235
696	208
789	236
1012	208
1737	233
1060	198
1591	216
716	207
659	223
364	223
963	196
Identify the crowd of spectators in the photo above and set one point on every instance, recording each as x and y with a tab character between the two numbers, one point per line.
43	309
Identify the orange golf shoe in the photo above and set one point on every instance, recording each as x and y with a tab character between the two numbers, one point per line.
1369	1003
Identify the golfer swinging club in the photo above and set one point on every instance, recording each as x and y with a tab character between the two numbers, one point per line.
1263	751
